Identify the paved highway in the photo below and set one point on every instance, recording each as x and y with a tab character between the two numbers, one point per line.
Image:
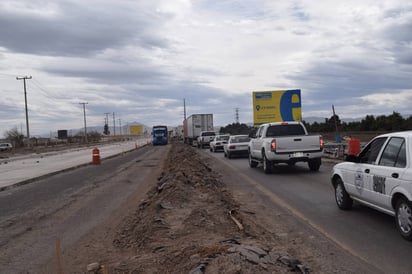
67	206
19	170
367	234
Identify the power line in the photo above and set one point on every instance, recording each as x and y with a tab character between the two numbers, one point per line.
45	92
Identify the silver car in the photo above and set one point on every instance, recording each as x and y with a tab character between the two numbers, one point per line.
236	145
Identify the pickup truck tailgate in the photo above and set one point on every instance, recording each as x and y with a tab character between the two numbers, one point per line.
291	144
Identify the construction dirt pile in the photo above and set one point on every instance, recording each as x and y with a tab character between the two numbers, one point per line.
190	223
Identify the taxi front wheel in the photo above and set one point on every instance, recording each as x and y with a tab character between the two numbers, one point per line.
341	196
403	218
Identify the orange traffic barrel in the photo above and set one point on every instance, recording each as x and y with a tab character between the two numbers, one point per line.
353	146
96	156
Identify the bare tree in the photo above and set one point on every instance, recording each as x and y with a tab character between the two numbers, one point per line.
15	137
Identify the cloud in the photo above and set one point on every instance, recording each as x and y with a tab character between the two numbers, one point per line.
388	100
140	59
69	28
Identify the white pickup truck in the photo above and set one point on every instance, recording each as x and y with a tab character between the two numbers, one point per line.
285	142
205	137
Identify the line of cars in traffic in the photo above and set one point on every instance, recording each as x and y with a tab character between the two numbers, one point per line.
231	145
379	176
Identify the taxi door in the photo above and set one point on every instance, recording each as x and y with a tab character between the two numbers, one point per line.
362	176
387	173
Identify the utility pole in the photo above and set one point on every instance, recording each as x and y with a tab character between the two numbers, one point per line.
120	126
84	115
334	118
184	108
114	125
25	102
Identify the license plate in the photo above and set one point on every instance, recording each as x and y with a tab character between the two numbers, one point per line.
297	154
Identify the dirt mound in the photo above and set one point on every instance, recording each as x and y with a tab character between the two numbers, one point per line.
190	223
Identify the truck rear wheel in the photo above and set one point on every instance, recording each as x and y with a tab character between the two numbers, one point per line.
314	164
267	165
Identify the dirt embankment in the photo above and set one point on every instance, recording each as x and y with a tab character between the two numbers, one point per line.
190	222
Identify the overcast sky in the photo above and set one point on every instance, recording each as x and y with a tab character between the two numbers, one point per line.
140	59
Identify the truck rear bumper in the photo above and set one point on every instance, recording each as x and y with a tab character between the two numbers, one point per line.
293	157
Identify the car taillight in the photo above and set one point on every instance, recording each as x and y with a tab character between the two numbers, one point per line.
232	147
273	145
321	143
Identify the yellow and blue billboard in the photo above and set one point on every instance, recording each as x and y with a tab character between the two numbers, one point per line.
276	106
136	130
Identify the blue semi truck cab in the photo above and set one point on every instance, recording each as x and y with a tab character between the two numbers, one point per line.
159	134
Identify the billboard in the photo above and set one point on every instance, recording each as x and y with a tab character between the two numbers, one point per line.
276	106
136	130
62	134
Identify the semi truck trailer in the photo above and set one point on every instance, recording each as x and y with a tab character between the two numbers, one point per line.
194	124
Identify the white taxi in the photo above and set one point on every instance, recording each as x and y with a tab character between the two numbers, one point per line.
380	177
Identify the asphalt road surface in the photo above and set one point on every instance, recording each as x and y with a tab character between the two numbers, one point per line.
67	206
365	233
